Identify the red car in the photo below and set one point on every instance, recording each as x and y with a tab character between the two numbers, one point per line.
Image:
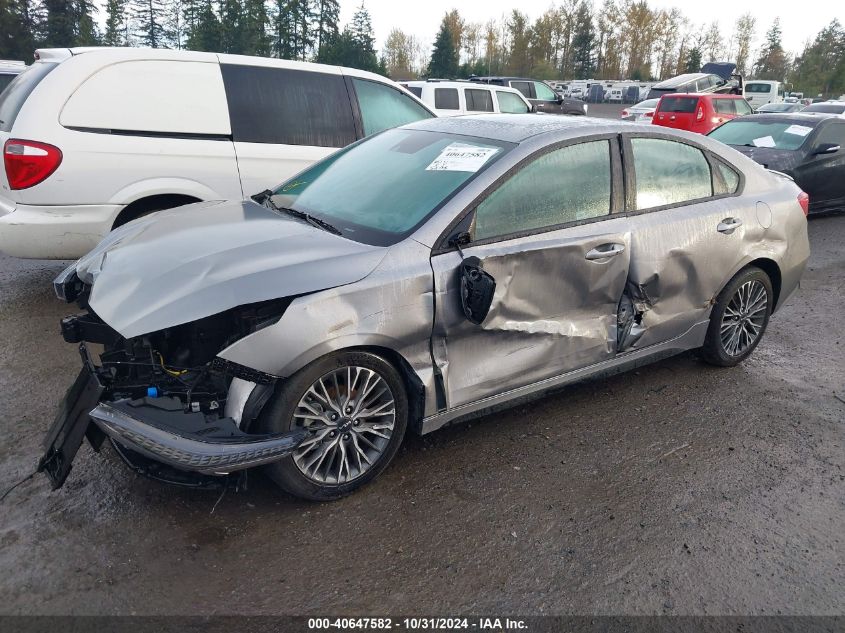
698	112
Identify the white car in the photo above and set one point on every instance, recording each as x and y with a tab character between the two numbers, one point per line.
96	137
760	92
642	112
455	98
8	71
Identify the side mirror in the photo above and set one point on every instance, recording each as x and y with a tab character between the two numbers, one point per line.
477	288
826	148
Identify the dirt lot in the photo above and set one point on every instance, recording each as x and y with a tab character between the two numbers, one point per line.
678	489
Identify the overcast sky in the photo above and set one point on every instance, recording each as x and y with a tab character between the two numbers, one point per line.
799	21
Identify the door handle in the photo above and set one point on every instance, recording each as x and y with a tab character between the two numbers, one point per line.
604	251
729	225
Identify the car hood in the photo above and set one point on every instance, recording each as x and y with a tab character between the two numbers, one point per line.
184	264
770	158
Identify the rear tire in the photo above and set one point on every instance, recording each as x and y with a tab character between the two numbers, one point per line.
355	405
739	318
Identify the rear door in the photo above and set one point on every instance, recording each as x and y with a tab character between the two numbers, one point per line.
559	260
678	112
283	120
686	241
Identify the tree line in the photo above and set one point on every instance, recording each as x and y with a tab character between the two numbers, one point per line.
576	39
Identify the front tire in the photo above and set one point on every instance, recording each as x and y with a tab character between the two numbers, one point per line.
739	318
356	409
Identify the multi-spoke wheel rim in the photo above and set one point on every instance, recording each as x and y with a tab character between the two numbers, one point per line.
744	317
349	413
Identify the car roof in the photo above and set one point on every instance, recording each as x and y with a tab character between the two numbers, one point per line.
515	128
708	95
458	83
680	79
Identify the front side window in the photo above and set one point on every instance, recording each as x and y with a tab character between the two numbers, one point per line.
288	107
478	100
383	107
668	172
565	185
379	190
544	92
742	107
511	103
446	99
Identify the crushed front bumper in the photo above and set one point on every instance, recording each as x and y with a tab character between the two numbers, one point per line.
177	438
160	429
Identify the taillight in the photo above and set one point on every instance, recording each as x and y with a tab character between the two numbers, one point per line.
29	162
700	114
624	113
649	114
804	201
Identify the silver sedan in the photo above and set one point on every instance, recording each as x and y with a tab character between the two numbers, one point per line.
424	275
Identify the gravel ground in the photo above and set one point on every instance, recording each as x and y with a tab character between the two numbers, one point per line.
675	489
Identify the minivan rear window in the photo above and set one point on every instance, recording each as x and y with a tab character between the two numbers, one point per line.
288	107
13	98
678	104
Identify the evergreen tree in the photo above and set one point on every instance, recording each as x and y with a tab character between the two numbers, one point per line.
86	30
17	30
519	60
231	39
293	37
254	28
821	67
583	43
361	30
326	16
444	57
694	60
115	32
772	63
58	28
148	20
205	35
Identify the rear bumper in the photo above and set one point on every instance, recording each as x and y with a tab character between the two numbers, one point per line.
53	232
133	427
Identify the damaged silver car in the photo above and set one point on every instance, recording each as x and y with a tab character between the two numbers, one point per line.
423	275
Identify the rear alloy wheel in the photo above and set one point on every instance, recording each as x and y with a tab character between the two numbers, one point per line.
354	406
739	318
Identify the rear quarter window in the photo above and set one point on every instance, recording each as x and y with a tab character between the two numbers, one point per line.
288	107
151	96
12	100
446	99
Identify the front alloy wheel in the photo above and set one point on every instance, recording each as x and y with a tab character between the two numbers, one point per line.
350	414
355	408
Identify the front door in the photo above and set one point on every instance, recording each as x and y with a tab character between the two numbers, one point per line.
820	173
559	260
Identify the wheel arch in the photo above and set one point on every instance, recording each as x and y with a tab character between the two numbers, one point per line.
156	202
770	267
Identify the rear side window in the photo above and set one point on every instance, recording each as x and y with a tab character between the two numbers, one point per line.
565	185
668	172
678	104
12	100
724	106
511	103
416	91
478	100
523	86
383	107
446	99
288	107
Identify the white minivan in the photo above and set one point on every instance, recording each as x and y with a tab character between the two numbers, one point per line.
455	98
95	137
759	92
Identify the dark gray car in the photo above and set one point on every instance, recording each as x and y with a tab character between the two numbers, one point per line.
541	95
423	275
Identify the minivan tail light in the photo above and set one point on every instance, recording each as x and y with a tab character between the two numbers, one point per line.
804	201
29	162
700	114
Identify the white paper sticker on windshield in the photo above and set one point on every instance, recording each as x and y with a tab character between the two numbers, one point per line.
462	157
799	130
765	141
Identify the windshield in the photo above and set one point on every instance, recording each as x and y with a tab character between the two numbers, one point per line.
788	135
380	190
